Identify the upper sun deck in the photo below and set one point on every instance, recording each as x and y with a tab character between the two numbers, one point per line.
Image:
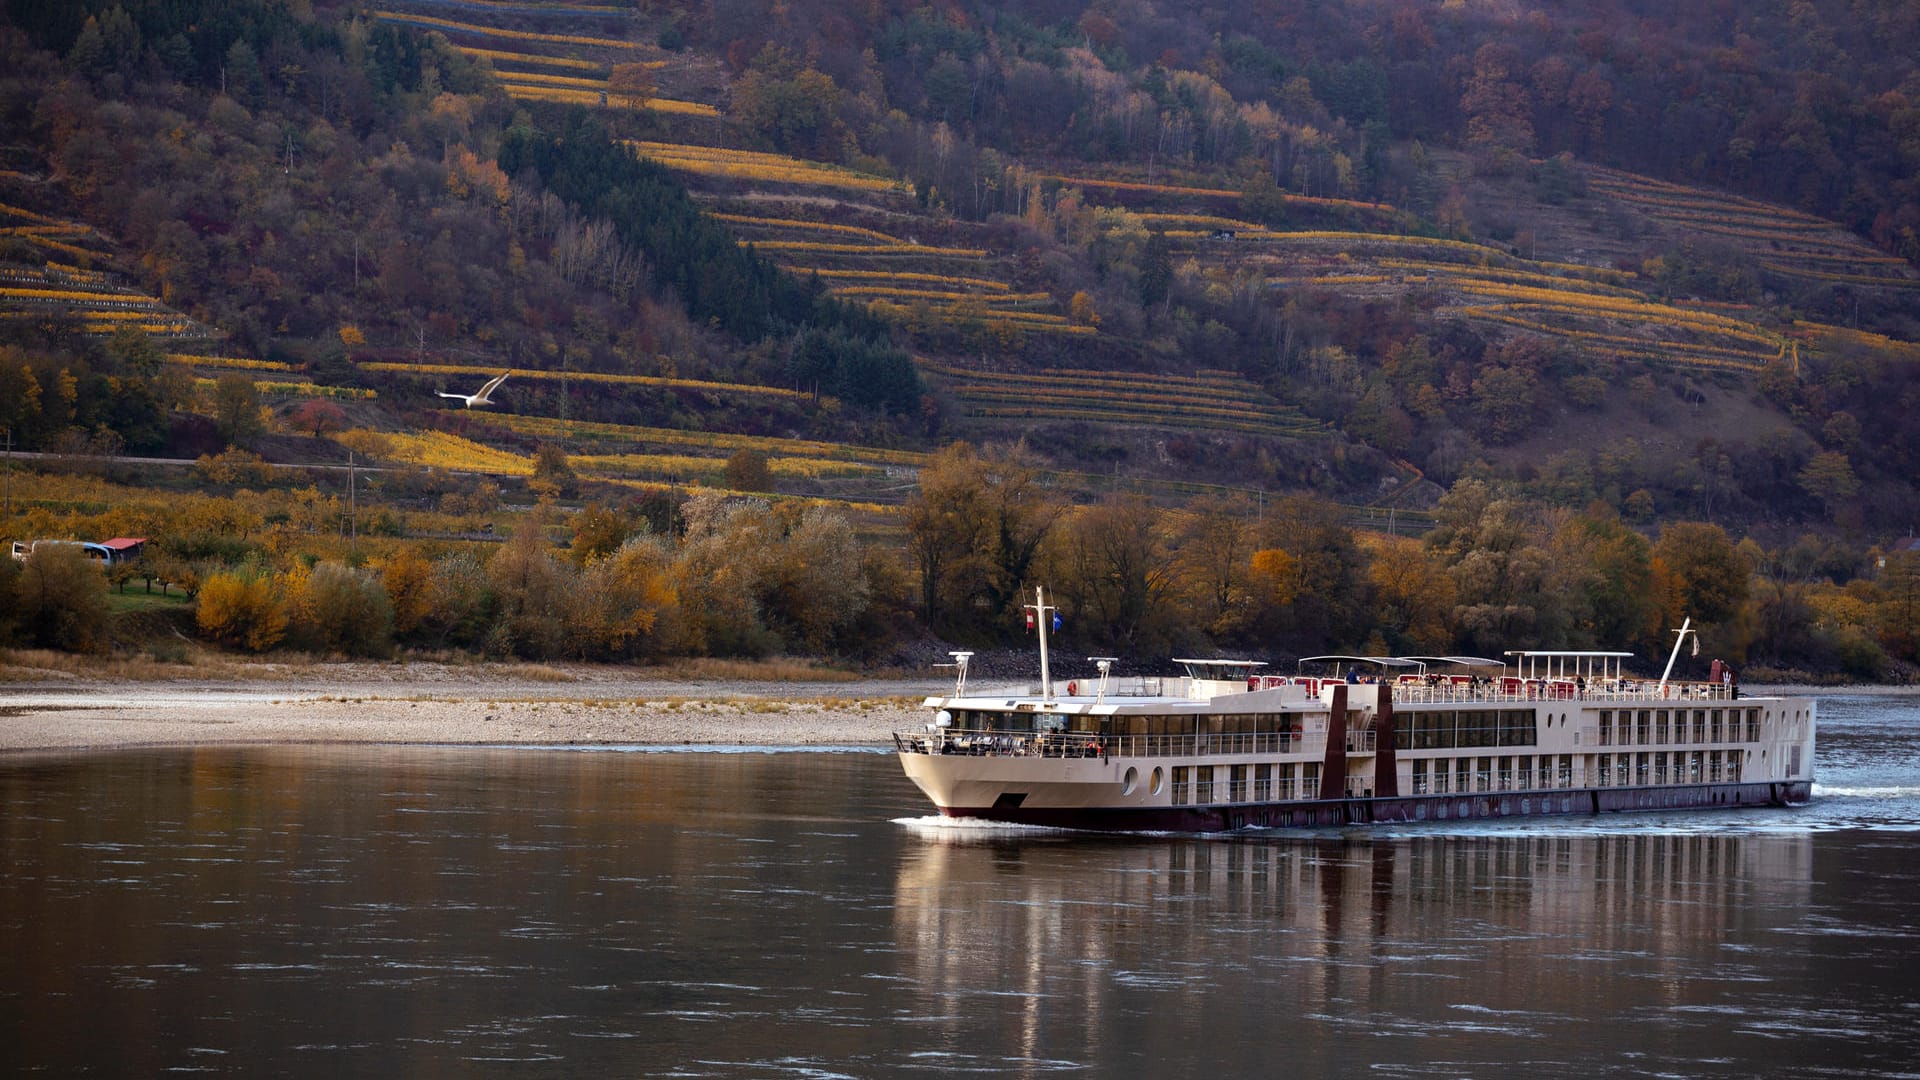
1260	693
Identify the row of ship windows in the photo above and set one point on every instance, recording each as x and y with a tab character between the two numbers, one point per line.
1447	776
1421	730
1204	784
1201	784
1652	727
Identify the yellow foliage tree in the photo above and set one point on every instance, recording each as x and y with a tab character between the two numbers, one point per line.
1276	576
408	578
241	610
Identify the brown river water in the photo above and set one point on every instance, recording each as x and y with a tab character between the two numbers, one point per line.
677	912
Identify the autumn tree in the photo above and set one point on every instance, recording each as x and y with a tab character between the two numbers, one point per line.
534	596
1709	576
747	470
236	408
975	526
1114	569
719	574
1606	573
60	599
346	610
241	609
1214	554
598	531
814	585
1412	596
1313	575
1499	568
319	417
629	606
631	85
552	473
407	576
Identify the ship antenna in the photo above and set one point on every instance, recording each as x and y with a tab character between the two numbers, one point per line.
1105	664
960	673
1680	638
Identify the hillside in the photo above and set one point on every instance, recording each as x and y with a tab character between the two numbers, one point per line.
1349	312
1194	257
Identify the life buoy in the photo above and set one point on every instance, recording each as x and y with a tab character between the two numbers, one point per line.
1073	689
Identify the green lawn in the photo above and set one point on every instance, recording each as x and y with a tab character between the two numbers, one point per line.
137	599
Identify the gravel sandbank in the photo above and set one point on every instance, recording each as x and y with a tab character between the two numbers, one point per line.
409	704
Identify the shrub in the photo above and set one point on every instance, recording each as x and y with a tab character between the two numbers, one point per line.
242	610
747	470
62	599
346	610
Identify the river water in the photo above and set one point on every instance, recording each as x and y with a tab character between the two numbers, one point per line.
524	912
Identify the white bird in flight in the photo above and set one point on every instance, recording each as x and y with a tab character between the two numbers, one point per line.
480	398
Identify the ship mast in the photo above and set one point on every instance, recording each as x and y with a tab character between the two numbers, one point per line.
1040	615
1680	638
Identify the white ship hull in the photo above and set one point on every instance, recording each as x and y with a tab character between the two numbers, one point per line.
1217	756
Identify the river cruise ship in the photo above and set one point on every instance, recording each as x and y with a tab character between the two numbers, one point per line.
1386	740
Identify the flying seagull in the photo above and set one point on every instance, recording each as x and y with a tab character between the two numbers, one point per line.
479	398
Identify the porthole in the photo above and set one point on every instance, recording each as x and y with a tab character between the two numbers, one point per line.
1158	782
1129	781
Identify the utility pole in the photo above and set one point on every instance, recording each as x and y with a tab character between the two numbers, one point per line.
353	508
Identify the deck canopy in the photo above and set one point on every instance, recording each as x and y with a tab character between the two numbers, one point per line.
1567	664
1460	661
1219	670
1382	661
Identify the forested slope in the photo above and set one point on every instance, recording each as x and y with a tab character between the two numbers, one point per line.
1600	270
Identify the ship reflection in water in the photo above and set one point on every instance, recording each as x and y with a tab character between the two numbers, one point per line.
1692	952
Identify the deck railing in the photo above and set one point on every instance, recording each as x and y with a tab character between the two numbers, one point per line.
1444	691
1076	745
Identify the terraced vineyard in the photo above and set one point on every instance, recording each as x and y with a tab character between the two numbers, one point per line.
1785	241
68	290
662	382
527	68
631	435
1602	311
896	276
1218	401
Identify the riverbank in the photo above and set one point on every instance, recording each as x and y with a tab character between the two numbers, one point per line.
57	705
453	704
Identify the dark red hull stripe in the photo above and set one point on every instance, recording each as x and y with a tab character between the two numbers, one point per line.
1402	810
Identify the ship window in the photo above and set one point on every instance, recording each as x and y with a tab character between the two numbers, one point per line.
1525	776
1642	735
1699	725
1753	725
1159	781
1462	774
1129	781
1237	784
1203	783
1719	725
1420	776
1606	727
1262	783
1518	727
1660	730
1310	780
1182	784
